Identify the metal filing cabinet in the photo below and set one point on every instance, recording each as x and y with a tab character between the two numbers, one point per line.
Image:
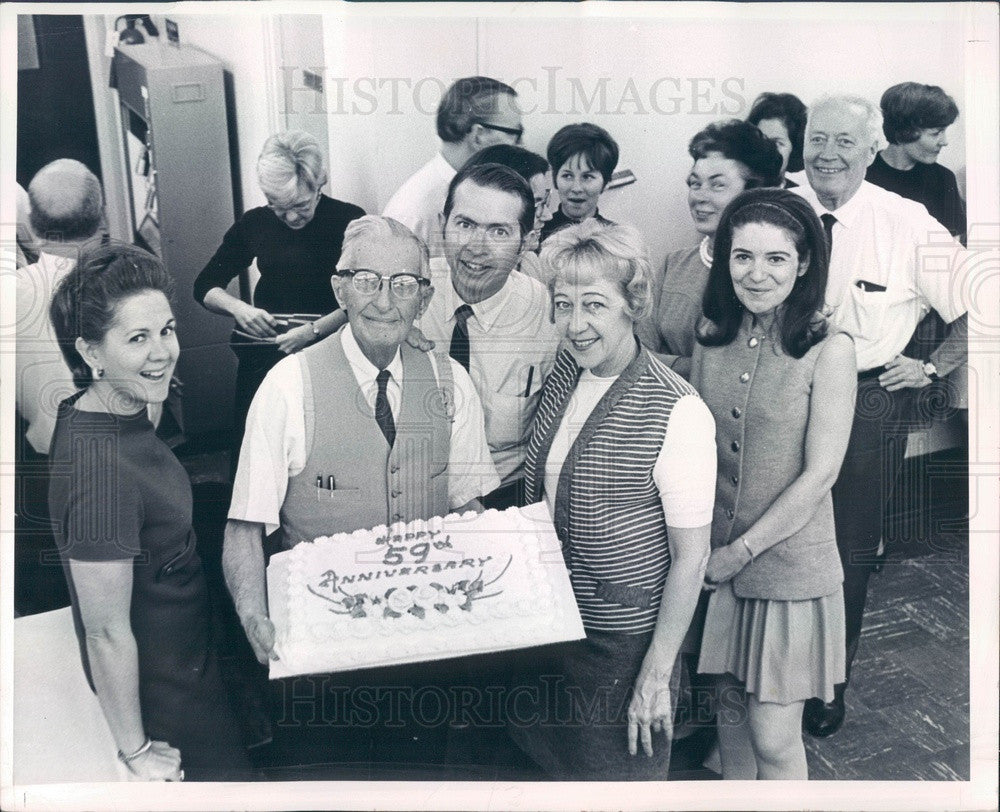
181	202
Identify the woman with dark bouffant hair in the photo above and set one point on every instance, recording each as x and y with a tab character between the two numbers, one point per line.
781	390
782	118
729	156
124	509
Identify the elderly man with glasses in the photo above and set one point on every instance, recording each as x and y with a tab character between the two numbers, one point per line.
357	430
476	112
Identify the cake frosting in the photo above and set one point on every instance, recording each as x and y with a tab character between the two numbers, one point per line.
429	589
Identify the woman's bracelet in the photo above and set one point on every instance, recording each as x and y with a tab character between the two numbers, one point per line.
132	757
747	545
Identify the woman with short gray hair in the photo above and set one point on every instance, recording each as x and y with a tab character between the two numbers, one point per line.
295	240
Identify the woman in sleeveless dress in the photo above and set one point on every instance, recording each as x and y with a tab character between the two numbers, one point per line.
782	393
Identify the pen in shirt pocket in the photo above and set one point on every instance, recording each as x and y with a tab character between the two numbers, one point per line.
331	483
531	374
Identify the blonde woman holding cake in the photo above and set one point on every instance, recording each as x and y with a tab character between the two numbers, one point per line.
622	450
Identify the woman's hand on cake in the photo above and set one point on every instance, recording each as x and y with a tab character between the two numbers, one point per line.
260	633
650	710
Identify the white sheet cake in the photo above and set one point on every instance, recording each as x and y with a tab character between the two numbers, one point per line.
426	590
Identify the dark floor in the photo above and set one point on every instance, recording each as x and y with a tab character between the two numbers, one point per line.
908	702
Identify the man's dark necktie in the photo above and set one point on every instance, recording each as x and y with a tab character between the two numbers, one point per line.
460	336
383	414
828	221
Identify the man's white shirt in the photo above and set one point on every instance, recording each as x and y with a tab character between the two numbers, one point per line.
512	347
905	261
418	203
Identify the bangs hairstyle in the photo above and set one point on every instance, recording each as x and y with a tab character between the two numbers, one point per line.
614	253
373	228
801	325
592	142
742	142
501	178
290	161
86	301
910	107
790	111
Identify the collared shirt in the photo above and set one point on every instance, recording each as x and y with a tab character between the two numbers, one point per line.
891	264
274	449
419	201
512	346
43	379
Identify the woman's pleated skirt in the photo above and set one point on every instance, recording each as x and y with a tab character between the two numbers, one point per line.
782	651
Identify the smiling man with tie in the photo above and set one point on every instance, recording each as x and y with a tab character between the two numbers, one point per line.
492	319
890	264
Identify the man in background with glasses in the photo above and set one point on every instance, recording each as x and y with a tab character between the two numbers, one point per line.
474	113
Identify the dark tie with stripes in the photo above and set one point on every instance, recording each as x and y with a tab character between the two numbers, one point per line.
828	221
383	414
460	336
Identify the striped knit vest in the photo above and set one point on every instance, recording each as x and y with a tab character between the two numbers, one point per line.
608	514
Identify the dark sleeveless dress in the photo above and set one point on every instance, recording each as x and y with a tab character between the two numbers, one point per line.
118	492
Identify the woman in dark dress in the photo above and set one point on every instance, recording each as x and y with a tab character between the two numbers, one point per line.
915	120
295	240
123	506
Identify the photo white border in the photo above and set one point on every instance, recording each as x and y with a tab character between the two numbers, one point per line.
980	110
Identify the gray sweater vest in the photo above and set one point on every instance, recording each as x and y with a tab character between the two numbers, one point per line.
373	484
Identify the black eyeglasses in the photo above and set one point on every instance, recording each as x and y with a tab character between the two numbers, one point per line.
368	283
517	132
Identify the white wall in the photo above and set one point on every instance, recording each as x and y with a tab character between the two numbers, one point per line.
378	137
720	60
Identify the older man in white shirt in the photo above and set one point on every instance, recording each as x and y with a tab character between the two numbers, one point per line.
65	211
476	112
67	207
891	263
359	429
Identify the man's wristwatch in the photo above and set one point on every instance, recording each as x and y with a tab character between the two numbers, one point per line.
931	371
